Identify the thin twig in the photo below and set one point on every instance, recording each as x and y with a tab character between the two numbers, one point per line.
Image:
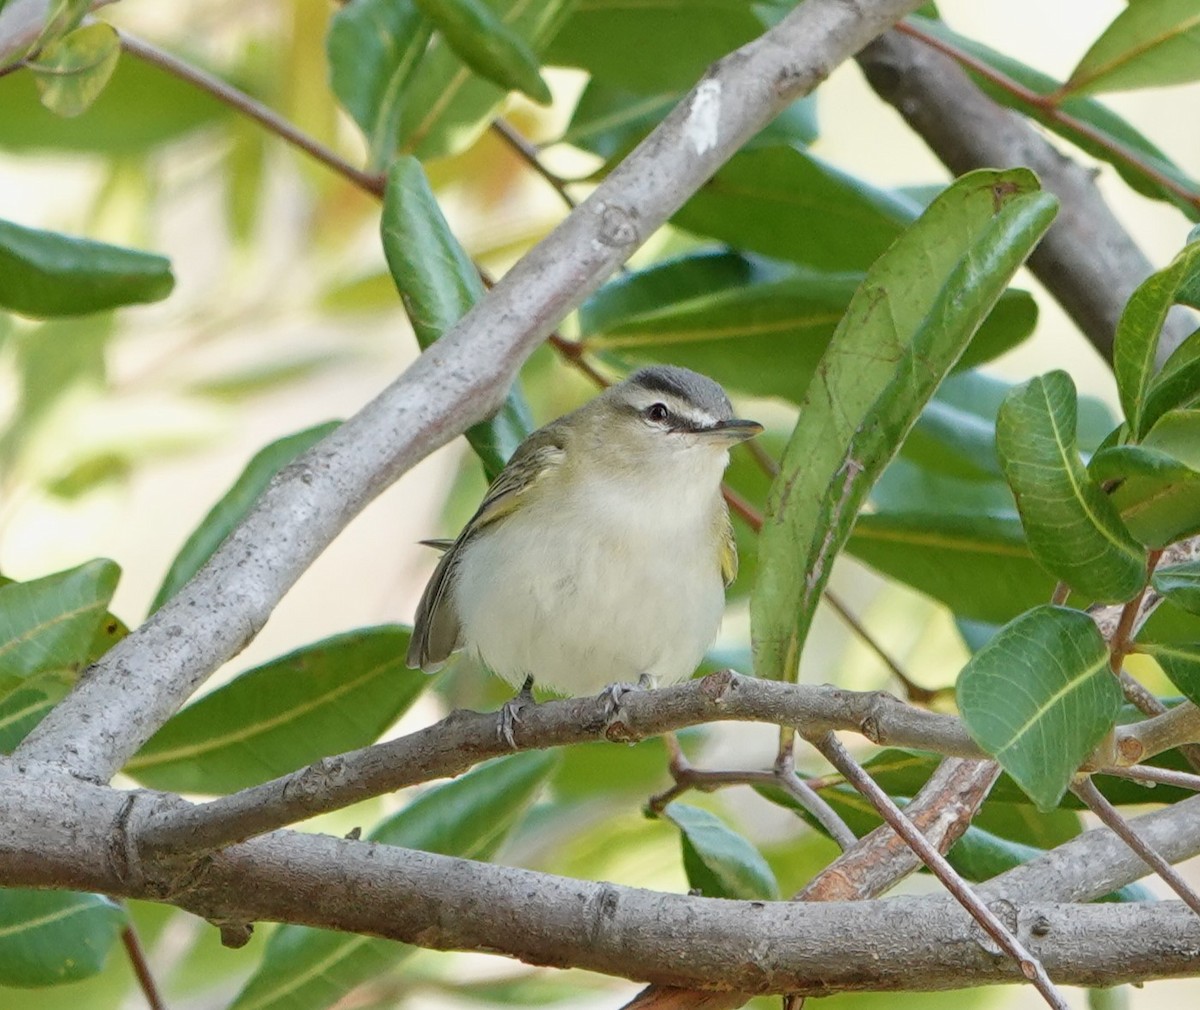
1045	106
807	797
767	463
1097	803
1152	775
528	153
141	968
252	108
1030	966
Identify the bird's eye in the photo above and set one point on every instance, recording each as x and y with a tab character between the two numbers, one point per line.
657	412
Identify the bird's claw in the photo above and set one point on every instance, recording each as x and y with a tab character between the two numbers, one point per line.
614	694
510	712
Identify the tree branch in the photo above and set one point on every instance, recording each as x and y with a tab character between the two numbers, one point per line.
60	831
1087	260
136	687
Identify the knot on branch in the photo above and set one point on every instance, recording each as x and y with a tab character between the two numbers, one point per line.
317	778
618	227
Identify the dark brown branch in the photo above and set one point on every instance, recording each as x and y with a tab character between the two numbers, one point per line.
141	968
528	153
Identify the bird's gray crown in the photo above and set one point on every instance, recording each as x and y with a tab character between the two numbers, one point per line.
694	389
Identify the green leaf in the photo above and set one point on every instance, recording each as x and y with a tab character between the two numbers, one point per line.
438	283
1177	433
652	47
1039	697
1181	661
1178	384
51	937
907	325
1157	496
1179	583
487	45
44	274
1151	43
141	107
445	106
73	70
234	505
25	707
1137	335
719	861
49	624
1105	136
310	969
1072	527
787	203
723	314
333	696
374	48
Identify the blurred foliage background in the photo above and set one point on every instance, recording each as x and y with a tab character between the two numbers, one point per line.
120	430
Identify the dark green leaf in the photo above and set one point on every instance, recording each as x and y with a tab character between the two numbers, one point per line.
438	284
652	48
908	324
234	506
445	106
374	48
487	45
49	624
1178	384
336	695
720	862
311	969
142	106
51	937
1039	697
1137	335
73	70
1179	583
1150	44
1072	527
1157	496
45	274
786	203
1181	662
25	707
1105	135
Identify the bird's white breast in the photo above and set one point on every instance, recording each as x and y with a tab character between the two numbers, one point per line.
615	581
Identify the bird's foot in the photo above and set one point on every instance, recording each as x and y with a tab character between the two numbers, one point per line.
510	712
614	694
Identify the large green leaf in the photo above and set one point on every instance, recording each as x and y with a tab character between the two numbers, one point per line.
652	47
1180	662
438	283
234	505
1137	335
1150	43
906	327
1157	495
310	969
1104	135
336	695
1073	528
44	274
374	47
723	314
73	70
719	862
26	706
487	45
1178	383
141	107
49	625
446	106
787	203
51	937
1181	585
1039	697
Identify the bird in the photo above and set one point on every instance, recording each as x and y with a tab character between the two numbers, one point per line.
601	552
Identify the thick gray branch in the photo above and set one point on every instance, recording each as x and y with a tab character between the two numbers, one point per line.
56	830
463	739
463	378
1087	260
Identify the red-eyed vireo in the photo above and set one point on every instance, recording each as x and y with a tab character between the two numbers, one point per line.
601	552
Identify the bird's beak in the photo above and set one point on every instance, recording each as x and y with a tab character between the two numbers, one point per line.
734	430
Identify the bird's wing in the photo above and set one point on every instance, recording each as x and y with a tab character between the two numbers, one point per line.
729	555
436	629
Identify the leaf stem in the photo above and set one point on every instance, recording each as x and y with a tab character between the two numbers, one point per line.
1097	803
837	755
528	153
141	968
